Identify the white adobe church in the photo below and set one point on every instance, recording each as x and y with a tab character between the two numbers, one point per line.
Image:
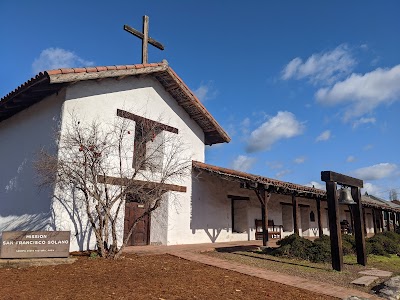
214	204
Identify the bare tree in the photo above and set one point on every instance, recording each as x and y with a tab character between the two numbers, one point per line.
393	195
98	165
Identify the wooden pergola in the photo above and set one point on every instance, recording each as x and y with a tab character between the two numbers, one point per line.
381	210
264	187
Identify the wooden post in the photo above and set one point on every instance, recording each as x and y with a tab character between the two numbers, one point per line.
359	227
398	219
145	39
365	220
351	218
374	221
295	207
320	229
387	213
381	219
334	226
260	192
265	236
233	214
394	221
264	227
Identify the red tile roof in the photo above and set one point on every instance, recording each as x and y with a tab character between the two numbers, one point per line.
282	187
50	82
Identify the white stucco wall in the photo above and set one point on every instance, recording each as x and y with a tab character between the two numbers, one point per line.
284	214
369	222
23	206
210	213
99	100
206	217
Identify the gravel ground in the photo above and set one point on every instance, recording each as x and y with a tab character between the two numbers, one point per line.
140	277
305	269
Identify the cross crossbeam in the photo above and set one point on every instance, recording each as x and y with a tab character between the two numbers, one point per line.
144	36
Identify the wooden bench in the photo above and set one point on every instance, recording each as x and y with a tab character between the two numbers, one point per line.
274	231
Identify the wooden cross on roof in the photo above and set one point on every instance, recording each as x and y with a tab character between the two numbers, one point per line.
144	36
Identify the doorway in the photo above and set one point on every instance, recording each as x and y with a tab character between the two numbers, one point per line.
141	233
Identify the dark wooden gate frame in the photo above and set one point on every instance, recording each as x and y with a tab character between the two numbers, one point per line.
332	179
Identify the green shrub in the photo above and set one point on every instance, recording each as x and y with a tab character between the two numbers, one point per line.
375	247
320	251
294	246
324	239
348	244
385	243
392	235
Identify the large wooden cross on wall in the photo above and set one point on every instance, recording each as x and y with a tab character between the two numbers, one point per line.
144	36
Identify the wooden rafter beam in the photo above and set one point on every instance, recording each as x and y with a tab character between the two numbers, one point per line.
141	36
138	119
341	179
144	184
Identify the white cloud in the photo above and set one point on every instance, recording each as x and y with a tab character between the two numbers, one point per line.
324	136
282	126
368	147
55	58
206	91
246	122
292	68
363	93
299	160
282	173
362	121
316	185
275	165
370	188
243	163
324	67
375	172
375	61
244	126
350	158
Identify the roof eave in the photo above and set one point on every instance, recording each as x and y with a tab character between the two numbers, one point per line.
284	187
54	80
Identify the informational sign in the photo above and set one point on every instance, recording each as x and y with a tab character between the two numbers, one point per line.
34	244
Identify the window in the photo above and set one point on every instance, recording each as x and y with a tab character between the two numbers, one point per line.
312	216
149	141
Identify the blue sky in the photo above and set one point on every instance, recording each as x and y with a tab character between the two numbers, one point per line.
300	86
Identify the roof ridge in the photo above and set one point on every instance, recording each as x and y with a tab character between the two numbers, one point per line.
91	69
